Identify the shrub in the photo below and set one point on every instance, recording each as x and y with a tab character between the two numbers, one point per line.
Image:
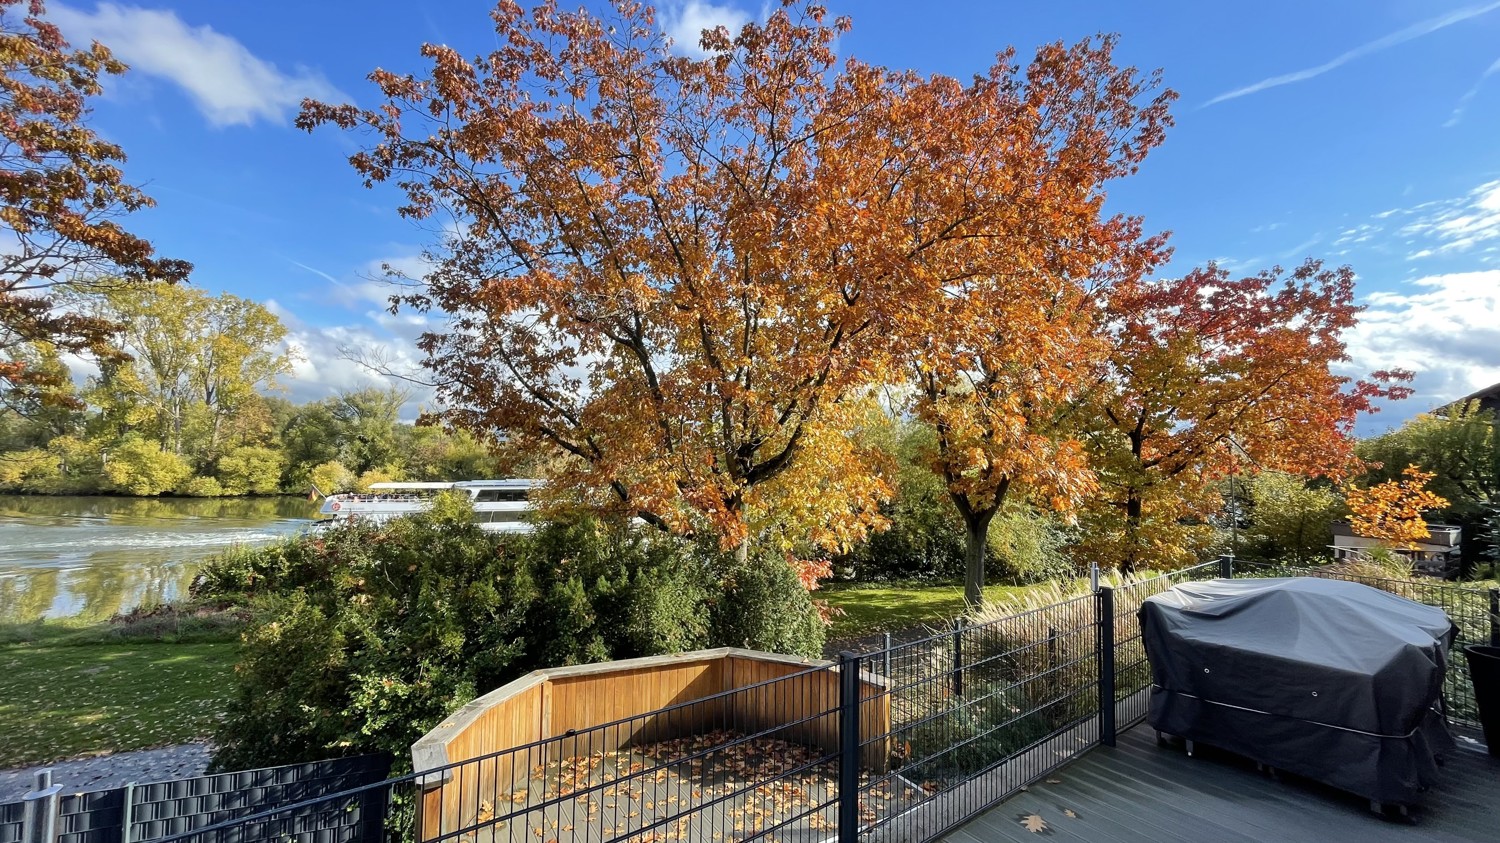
250	471
988	725
370	637
363	638
765	607
201	487
140	467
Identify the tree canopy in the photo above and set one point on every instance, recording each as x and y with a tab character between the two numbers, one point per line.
62	192
1210	374
683	273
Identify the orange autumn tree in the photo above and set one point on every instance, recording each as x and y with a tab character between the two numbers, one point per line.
1391	512
1000	374
1209	375
685	275
61	194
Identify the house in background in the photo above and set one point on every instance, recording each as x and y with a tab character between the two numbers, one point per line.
1488	398
1437	555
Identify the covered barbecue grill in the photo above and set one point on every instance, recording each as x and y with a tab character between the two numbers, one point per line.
1332	680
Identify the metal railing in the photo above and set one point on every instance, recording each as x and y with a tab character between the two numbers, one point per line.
899	743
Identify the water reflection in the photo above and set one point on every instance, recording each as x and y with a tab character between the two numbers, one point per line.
93	557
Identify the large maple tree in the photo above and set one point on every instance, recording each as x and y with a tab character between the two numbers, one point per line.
62	193
1212	374
686	275
1014	343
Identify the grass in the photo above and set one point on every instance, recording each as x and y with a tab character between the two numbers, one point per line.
879	607
145	680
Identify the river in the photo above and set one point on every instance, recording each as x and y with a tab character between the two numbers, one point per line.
93	557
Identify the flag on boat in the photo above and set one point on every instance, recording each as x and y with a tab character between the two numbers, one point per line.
313	493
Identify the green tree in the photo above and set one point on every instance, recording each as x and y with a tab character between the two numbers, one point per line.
249	470
1289	519
140	466
1461	447
197	358
331	476
1457	445
367	422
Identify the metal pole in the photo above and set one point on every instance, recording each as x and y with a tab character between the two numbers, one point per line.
1105	605
958	657
39	816
887	655
1094	577
848	747
1495	617
127	809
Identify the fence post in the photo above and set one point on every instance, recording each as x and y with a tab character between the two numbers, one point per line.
958	657
39	816
127	810
848	747
1226	567
888	655
1105	606
1495	617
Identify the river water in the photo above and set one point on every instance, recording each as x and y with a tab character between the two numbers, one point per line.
93	557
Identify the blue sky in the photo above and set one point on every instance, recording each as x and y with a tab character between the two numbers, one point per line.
1362	132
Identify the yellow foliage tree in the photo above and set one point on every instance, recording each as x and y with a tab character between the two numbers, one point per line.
1392	511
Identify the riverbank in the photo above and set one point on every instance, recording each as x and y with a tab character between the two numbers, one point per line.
70	690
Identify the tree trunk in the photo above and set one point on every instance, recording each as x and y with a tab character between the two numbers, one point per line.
976	539
742	553
1132	531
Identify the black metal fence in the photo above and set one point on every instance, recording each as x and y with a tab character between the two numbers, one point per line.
900	743
143	813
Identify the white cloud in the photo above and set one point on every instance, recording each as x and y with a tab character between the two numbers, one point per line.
684	22
1446	328
1401	36
324	366
229	85
1458	225
1463	101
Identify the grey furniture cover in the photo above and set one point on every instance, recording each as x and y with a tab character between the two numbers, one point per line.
1332	680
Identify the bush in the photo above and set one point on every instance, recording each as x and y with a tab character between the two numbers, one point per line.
250	471
202	487
363	638
140	467
765	607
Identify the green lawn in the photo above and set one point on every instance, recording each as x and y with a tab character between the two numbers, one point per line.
68	690
882	607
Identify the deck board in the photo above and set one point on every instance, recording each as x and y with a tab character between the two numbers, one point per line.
1138	792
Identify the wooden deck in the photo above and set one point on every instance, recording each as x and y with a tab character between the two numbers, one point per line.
1142	793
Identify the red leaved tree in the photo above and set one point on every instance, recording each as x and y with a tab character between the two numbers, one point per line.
1210	374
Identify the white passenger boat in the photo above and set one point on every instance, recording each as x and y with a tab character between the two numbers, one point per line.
499	505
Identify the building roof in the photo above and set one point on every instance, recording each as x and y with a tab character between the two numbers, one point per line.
1140	792
1488	398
